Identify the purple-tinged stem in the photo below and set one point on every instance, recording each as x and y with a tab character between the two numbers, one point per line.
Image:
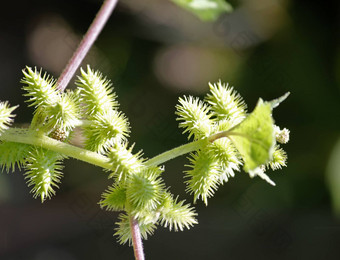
73	64
136	239
86	43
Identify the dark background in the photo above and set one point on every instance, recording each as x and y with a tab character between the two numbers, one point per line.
155	52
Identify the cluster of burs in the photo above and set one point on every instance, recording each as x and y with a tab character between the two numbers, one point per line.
230	138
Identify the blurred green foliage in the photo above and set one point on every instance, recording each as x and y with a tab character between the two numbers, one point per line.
206	10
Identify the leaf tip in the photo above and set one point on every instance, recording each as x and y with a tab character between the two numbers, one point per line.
275	102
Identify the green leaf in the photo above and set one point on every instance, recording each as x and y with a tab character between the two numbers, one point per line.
206	10
254	138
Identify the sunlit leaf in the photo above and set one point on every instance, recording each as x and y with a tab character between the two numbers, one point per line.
254	138
206	10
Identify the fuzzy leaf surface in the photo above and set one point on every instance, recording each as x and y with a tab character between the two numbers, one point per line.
254	138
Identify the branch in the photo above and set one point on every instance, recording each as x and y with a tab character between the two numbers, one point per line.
29	137
175	152
22	135
186	148
85	45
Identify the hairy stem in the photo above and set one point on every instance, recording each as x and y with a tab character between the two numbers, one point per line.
222	134
175	152
187	148
30	137
136	239
27	136
85	45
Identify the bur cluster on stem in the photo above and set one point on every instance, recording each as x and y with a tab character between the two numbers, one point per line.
224	138
235	139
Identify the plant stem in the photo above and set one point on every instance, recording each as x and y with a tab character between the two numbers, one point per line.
136	239
85	45
26	136
175	152
226	133
30	137
186	148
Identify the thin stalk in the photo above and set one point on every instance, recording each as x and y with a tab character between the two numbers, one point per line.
85	45
222	134
175	152
186	148
136	239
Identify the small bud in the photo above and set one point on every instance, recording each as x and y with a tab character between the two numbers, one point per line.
282	136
